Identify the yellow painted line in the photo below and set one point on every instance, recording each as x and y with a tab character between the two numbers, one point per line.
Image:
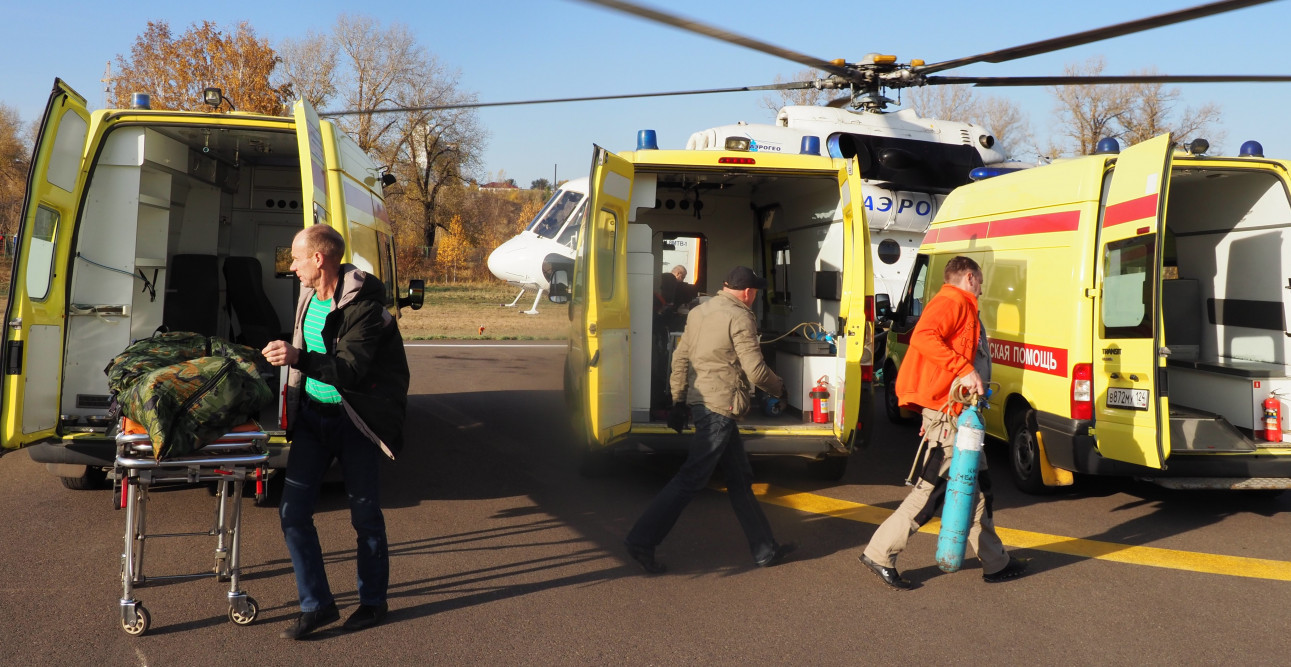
1192	561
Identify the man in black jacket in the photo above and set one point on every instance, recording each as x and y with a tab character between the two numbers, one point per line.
347	389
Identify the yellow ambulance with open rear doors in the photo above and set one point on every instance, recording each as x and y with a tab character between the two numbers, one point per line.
797	219
138	220
1136	305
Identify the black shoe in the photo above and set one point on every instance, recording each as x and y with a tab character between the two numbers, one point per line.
778	554
1016	568
889	575
644	557
309	621
366	616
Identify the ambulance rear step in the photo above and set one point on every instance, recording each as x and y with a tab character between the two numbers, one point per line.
1222	483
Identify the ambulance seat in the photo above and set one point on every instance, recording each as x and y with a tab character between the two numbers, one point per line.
258	322
192	294
1181	310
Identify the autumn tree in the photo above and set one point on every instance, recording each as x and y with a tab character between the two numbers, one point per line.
309	66
15	157
1129	112
174	71
453	251
1001	117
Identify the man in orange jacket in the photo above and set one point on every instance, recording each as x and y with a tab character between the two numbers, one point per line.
947	347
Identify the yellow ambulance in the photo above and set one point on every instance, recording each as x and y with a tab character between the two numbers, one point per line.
139	220
1136	307
724	207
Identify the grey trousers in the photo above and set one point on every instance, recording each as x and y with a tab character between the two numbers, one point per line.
925	501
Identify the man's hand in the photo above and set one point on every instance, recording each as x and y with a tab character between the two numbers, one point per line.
279	353
678	416
972	383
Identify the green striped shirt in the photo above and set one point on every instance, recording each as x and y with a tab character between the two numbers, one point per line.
315	315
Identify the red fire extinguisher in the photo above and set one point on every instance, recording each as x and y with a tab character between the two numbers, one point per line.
1273	418
820	401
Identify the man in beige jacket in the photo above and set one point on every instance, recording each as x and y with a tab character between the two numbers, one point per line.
716	359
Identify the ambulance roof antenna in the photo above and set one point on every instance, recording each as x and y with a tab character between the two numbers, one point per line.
107	82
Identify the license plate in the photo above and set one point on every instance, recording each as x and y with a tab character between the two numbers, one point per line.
1130	399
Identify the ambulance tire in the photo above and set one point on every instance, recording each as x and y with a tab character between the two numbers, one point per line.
92	478
1024	454
828	469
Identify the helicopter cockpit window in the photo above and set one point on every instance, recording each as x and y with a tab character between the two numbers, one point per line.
555	214
568	235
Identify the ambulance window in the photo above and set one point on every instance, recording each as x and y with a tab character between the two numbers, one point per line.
1128	270
605	242
40	253
912	301
580	263
385	266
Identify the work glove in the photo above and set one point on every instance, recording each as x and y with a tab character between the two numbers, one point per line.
678	416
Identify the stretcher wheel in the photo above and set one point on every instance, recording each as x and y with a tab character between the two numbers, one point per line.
249	617
142	621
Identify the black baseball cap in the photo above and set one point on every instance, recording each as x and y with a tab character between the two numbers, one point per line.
742	277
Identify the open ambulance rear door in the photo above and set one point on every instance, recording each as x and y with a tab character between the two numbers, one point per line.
857	352
313	162
607	329
37	308
1131	407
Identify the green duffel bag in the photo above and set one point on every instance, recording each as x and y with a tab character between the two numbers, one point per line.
186	403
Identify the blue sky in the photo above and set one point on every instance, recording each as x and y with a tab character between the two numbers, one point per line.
511	49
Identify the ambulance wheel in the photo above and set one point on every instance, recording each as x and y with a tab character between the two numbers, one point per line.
890	405
249	617
90	479
141	622
829	469
1024	454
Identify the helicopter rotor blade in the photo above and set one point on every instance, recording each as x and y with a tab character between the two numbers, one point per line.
1098	34
717	33
1002	81
791	85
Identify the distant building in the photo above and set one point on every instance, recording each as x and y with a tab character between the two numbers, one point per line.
498	186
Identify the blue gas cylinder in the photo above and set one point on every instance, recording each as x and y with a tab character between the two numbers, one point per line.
961	491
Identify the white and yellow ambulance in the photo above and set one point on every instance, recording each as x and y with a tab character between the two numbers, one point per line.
1136	306
726	207
137	220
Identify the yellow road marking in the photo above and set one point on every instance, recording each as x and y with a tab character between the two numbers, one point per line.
1192	561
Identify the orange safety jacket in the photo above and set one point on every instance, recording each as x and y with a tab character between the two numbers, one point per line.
942	346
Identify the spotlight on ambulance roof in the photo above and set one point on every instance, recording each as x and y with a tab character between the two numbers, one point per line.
810	146
1107	146
140	101
1198	146
737	143
213	97
647	140
1251	149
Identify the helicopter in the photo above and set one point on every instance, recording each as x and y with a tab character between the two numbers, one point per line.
910	163
525	260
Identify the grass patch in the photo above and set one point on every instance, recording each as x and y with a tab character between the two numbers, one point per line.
458	311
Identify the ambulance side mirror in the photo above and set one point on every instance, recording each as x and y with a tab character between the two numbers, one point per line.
559	287
882	309
416	295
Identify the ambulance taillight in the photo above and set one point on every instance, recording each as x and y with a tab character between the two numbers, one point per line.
1082	391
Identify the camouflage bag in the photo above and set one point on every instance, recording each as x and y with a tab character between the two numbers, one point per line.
187	389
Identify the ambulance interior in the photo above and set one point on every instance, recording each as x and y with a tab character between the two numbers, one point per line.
1225	291
728	219
185	228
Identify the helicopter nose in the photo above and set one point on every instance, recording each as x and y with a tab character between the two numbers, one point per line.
506	261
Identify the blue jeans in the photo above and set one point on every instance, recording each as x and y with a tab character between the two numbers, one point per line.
317	441
717	439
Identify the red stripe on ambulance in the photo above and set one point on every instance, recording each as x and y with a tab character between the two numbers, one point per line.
1063	221
1051	360
1131	211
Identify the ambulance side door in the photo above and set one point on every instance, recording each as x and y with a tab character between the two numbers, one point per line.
313	162
852	417
37	308
1131	407
606	325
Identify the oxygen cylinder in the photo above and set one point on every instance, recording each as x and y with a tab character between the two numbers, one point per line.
961	491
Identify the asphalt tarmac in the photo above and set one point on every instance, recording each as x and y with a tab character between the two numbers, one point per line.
502	554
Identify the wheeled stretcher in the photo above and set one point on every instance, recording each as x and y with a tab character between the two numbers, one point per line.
228	462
